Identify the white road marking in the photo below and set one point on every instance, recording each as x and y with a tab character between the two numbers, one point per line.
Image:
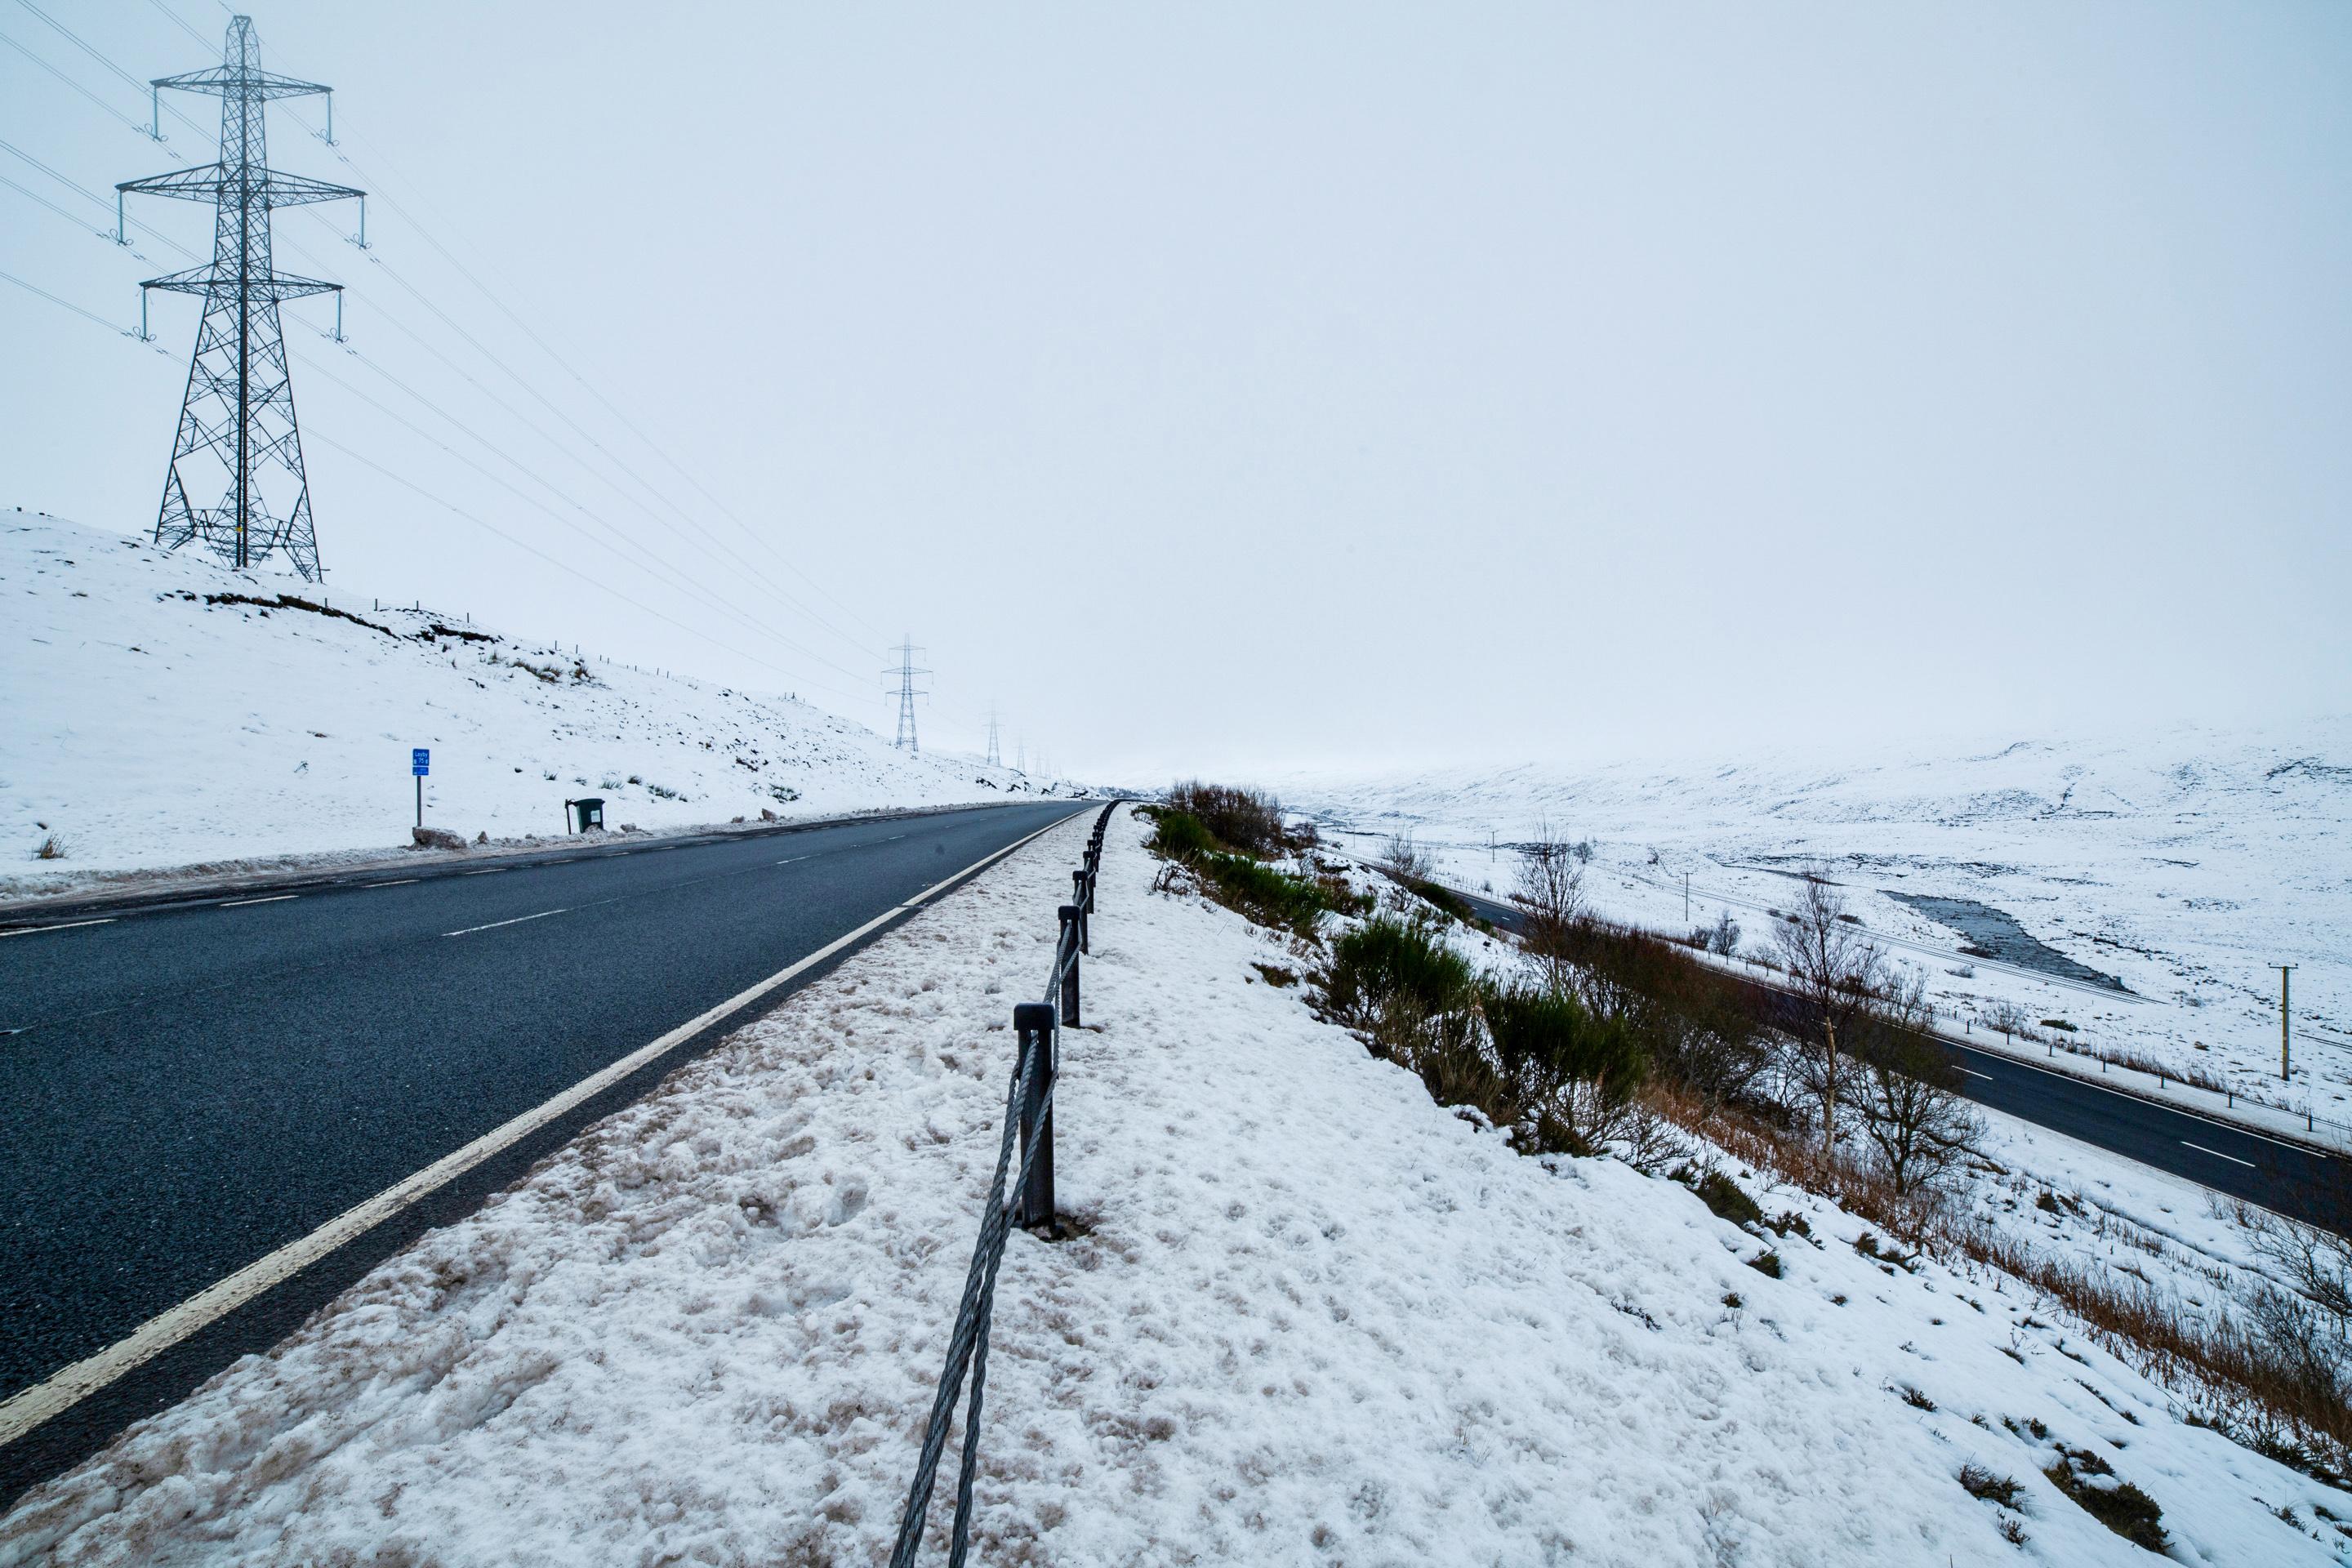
68	925
22	1412
403	883
273	898
2200	1148
1973	1073
516	921
790	859
485	872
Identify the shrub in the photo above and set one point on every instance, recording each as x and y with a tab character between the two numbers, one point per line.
1723	1196
1384	962
1570	1072
1985	1487
2121	1507
52	848
1258	891
1180	835
1767	1264
1409	997
1244	819
1444	898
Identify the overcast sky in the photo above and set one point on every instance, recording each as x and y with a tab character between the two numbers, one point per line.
1281	386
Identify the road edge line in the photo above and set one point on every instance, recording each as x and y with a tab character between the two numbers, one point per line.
31	1408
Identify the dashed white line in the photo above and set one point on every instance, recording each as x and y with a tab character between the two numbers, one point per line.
403	883
516	921
66	925
2200	1148
1973	1073
790	859
485	872
273	898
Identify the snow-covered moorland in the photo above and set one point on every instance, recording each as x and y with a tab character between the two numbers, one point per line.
2182	865
1309	1316
155	716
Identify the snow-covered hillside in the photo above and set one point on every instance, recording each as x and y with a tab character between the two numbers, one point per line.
154	715
2183	866
1308	1317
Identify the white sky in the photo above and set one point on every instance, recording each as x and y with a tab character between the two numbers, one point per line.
1278	386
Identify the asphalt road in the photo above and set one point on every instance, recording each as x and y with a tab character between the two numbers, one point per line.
2284	1177
185	1088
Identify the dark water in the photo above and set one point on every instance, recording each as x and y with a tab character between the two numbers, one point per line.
1994	933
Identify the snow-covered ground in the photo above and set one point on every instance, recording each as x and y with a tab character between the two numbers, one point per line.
2183	865
142	726
1309	1317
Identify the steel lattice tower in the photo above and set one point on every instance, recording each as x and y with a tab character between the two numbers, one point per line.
995	759
238	438
904	671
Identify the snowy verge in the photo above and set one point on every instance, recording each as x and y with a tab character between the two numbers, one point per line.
1308	1317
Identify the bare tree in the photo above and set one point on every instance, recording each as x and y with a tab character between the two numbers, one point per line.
1406	861
1549	896
1723	937
2005	1016
2314	1262
1920	1127
1835	971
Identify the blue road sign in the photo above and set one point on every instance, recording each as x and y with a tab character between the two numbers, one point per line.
420	761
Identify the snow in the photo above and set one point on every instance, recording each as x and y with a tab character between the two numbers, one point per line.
2184	864
147	728
1308	1317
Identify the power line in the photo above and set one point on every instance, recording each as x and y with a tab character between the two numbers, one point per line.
446	319
643	560
723	552
31	194
460	512
181	21
558	564
565	366
103	106
66	304
136	85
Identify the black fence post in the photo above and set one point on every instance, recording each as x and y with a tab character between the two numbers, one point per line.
1032	1023
1073	937
1079	900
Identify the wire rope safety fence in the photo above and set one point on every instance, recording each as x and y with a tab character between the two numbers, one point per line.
1019	1196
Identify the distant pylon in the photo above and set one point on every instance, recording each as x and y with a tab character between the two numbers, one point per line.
905	670
237	438
1021	756
994	761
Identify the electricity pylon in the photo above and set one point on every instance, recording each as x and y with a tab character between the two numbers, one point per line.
905	670
236	419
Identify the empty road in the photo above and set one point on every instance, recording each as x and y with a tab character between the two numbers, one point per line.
186	1090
